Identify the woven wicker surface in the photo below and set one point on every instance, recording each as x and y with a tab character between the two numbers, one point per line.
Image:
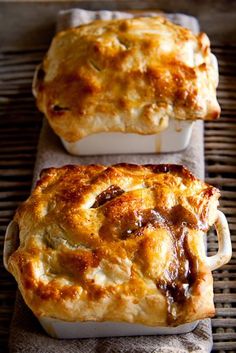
19	129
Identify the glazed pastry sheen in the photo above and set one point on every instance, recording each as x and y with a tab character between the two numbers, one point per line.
118	243
126	75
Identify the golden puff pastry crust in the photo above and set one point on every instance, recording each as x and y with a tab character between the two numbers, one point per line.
118	243
126	75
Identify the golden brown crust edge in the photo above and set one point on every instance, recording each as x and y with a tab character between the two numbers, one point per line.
126	75
84	253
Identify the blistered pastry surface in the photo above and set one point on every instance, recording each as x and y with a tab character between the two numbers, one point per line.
126	75
119	243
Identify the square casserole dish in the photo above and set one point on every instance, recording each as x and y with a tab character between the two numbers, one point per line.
125	86
87	328
69	330
174	138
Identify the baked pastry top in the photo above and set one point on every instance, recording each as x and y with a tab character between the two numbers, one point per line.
118	243
126	75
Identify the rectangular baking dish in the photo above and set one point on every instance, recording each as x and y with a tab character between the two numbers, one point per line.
174	138
67	330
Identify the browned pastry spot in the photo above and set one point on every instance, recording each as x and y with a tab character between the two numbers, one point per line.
57	108
107	195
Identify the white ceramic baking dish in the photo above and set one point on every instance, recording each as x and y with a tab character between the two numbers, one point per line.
174	138
63	329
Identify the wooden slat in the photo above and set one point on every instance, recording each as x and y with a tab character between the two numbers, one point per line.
225	298
223	346
221	181
225	284
223	322
214	125
221	145
228	194
219	168
217	139
226	311
222	159
227	203
220	153
224	276
224	336
223	133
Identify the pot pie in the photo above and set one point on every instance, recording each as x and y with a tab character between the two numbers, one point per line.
126	75
116	243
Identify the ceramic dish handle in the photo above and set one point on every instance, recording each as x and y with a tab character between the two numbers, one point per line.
224	243
11	242
214	63
36	78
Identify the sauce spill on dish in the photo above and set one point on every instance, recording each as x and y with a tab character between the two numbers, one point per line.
178	127
158	143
